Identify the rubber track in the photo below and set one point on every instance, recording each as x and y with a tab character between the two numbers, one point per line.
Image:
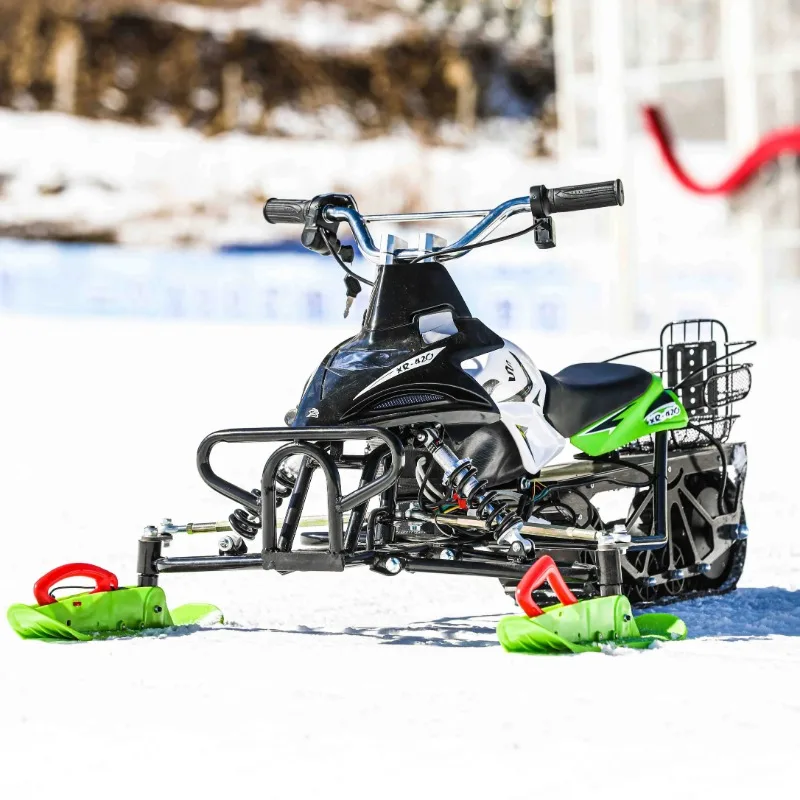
727	586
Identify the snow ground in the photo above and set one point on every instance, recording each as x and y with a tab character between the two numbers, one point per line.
358	27
164	185
353	685
325	27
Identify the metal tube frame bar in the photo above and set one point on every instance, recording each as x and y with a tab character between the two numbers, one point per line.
491	220
413	557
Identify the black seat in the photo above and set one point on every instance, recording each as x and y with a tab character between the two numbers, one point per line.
585	393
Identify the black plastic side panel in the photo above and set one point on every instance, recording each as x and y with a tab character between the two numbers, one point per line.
404	290
494	453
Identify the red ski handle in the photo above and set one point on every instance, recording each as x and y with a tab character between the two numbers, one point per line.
106	581
543	569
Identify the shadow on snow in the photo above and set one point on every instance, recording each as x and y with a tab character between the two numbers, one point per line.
476	631
743	614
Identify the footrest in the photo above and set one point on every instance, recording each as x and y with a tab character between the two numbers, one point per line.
304	562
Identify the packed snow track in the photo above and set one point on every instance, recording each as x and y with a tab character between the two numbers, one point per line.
351	685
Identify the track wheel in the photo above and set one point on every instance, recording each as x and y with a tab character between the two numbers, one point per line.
677	586
645	563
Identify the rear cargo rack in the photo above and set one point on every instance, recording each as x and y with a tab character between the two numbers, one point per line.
698	362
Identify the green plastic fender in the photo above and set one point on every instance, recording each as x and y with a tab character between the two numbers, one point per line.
657	409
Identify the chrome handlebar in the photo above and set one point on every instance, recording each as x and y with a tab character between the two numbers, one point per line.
490	219
320	218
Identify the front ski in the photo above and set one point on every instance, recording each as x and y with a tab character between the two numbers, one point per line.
105	612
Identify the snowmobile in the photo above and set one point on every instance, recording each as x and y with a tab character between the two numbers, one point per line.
454	429
453	432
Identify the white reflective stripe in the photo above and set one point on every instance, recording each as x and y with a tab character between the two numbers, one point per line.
401	369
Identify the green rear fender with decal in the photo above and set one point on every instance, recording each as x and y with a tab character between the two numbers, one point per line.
658	409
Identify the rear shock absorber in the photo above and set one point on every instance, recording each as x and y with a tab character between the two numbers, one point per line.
461	476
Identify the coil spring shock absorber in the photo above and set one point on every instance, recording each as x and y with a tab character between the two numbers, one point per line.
461	476
246	524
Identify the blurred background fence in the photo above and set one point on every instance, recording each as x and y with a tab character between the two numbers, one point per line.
138	140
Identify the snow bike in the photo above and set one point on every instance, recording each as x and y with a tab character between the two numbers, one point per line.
453	430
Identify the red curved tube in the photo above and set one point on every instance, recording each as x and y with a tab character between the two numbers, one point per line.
106	581
543	569
783	140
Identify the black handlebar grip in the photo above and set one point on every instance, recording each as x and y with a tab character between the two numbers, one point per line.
293	211
585	196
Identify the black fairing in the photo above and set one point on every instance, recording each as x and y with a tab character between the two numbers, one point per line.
492	451
436	391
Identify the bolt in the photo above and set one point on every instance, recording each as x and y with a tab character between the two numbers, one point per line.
150	530
742	531
620	530
703	567
649	581
677	574
392	565
447	555
516	547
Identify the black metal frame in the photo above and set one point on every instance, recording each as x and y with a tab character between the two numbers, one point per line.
323	448
276	550
342	549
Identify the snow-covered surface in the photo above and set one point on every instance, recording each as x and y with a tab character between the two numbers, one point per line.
354	27
348	685
166	185
312	26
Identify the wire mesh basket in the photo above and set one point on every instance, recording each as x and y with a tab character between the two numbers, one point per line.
698	362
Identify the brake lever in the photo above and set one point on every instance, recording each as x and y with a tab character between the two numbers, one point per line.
544	234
